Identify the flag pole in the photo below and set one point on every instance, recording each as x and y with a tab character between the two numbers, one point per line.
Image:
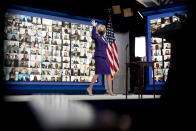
110	19
109	14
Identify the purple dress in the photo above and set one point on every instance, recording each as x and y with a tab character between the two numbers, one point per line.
102	65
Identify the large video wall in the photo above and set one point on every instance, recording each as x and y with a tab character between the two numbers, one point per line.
47	50
161	48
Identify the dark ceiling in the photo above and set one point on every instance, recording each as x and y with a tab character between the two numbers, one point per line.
97	9
93	9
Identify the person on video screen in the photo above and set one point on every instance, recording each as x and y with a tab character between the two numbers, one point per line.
47	35
16	60
13	38
7	61
12	74
101	61
26	76
26	36
25	57
24	51
167	52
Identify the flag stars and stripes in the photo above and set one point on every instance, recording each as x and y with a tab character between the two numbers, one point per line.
112	51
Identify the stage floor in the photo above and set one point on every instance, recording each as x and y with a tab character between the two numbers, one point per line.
55	112
23	98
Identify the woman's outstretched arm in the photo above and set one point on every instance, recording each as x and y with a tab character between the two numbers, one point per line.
94	34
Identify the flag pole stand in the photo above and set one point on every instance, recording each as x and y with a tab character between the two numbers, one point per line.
112	86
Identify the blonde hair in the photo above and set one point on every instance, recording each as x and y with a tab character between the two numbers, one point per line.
99	28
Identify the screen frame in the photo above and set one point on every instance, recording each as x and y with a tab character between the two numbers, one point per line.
155	13
23	10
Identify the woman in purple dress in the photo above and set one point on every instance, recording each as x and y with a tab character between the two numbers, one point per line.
101	61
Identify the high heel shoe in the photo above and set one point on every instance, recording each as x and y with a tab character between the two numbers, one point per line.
89	92
110	93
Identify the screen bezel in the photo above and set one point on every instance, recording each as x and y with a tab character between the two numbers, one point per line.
56	16
149	82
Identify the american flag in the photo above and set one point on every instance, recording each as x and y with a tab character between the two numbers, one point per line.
112	52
